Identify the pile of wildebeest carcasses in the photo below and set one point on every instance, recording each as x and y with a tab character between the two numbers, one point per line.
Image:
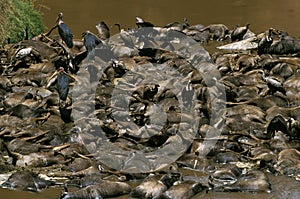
84	115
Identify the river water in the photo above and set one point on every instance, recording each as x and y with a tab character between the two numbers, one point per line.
261	14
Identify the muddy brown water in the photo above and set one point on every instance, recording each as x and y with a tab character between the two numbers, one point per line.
283	187
261	14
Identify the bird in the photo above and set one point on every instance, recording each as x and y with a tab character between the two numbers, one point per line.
177	25
286	45
238	33
119	27
90	40
187	94
141	23
62	84
278	123
103	30
265	43
293	127
273	83
64	31
288	126
150	91
65	113
125	36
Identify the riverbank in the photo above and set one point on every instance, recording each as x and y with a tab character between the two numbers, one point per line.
17	16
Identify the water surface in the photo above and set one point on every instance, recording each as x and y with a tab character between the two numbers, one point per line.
261	14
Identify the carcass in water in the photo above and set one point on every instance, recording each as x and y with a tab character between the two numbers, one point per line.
155	186
254	180
218	32
184	190
105	189
27	181
289	162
